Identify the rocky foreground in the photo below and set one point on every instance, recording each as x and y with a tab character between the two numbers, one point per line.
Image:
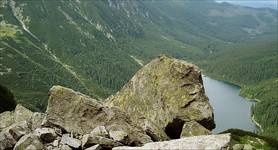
163	106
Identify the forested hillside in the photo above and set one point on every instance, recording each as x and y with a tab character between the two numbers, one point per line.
253	66
96	46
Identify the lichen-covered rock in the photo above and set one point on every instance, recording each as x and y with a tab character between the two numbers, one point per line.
22	114
193	128
80	114
168	92
215	142
6	119
29	142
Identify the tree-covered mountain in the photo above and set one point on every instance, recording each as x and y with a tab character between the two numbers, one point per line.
96	46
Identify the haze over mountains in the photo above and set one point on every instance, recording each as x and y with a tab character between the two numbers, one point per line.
96	46
253	3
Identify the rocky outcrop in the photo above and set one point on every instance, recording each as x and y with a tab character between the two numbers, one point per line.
170	94
79	114
216	142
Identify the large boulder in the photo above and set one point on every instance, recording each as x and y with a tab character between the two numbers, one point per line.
79	114
169	93
215	142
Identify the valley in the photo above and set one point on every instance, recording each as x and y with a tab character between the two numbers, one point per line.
95	47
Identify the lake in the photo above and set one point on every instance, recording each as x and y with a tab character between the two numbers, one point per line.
230	109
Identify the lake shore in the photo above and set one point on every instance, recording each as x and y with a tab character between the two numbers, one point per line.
256	123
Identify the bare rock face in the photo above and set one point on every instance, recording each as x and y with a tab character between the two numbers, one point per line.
215	142
169	93
79	114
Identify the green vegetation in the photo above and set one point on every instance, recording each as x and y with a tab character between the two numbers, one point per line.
92	46
7	101
253	66
257	141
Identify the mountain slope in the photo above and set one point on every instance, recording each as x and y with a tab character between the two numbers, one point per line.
96	46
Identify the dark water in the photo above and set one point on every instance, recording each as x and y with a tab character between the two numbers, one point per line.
230	109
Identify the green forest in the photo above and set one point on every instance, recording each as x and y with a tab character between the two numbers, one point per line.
95	47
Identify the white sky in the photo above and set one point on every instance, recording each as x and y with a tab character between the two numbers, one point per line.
254	3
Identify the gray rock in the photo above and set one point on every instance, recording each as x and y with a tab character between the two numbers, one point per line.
55	143
22	114
95	147
89	140
167	92
215	142
100	131
29	142
9	136
119	136
78	113
17	130
36	120
65	147
7	119
46	134
6	141
70	141
193	128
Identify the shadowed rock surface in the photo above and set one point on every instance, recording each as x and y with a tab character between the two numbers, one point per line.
169	93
